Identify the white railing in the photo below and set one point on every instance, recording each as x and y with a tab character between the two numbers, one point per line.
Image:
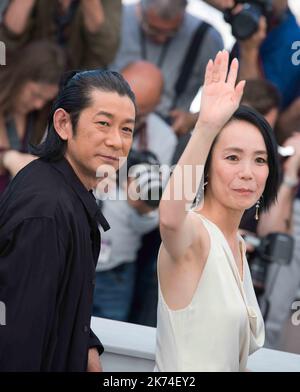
131	347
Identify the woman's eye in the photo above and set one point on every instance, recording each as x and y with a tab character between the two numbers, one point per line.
261	160
232	158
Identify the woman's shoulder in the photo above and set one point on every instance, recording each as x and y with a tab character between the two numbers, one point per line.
198	243
201	221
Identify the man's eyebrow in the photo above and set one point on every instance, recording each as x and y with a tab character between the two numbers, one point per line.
237	149
102	112
111	116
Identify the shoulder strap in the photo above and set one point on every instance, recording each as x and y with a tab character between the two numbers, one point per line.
12	135
189	60
14	141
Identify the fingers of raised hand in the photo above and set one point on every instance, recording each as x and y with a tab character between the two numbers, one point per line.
223	69
216	70
233	72
208	72
239	90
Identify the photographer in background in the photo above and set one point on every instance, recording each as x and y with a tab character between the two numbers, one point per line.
119	269
265	31
151	133
130	218
264	48
27	89
178	43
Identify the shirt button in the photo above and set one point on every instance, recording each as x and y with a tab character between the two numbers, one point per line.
85	328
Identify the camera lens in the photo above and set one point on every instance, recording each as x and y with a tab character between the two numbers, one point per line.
258	269
149	183
246	22
144	169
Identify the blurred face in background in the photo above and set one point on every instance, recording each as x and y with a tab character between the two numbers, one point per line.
34	96
157	29
221	4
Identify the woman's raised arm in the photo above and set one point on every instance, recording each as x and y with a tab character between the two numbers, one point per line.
220	99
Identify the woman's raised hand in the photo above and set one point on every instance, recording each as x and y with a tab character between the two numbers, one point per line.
220	95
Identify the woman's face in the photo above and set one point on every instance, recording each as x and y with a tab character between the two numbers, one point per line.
34	96
239	166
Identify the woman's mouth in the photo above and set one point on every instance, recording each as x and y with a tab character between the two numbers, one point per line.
244	191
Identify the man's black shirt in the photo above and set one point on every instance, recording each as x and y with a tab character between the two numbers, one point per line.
49	247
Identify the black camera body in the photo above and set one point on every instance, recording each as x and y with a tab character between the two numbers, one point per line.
274	248
245	23
144	168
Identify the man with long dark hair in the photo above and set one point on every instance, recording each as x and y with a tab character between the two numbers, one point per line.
49	238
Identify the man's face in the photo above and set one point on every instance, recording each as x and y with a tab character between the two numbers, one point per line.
157	29
103	135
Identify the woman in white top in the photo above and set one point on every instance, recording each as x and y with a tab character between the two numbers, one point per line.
208	316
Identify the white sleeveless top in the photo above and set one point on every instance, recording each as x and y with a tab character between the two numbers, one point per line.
221	326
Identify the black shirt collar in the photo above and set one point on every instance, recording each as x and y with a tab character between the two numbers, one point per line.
86	197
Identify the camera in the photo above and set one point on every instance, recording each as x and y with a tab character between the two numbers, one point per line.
144	168
245	23
273	248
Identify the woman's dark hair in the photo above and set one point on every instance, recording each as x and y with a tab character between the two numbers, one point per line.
75	96
250	115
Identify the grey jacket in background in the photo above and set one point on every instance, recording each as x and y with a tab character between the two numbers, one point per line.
131	50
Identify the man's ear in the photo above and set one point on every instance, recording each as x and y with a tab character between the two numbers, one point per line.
62	124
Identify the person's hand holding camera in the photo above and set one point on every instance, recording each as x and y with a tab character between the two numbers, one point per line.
255	41
249	52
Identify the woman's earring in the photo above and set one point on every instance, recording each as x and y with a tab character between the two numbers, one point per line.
257	209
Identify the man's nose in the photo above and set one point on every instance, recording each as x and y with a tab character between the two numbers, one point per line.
114	138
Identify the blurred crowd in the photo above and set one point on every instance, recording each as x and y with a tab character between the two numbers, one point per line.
162	51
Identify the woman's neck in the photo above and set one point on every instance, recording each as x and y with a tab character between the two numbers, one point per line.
228	220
